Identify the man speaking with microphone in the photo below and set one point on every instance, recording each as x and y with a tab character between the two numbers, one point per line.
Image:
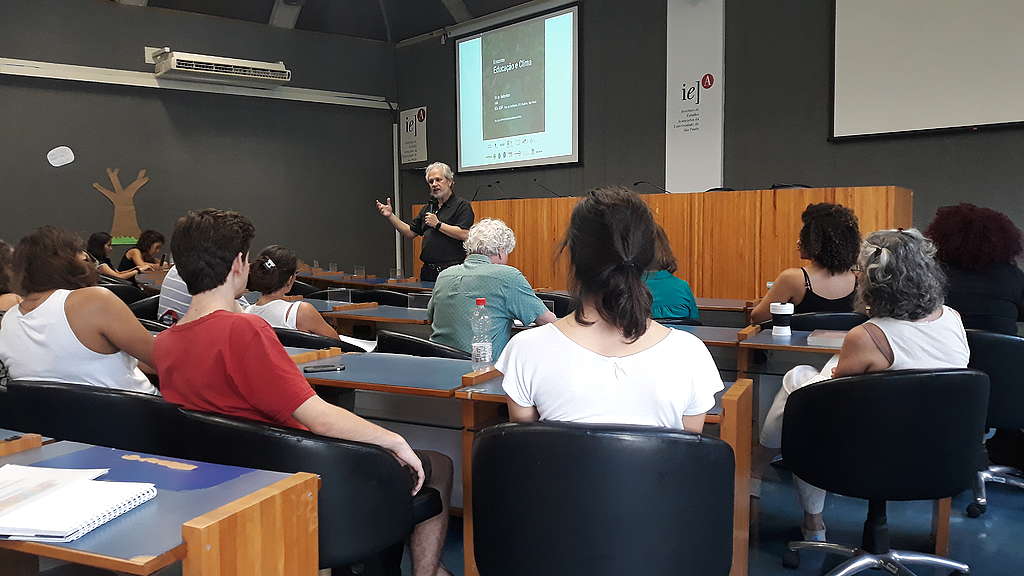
444	223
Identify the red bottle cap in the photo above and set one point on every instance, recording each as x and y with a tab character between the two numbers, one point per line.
481	301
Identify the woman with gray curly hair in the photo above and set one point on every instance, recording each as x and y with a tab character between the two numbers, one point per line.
900	286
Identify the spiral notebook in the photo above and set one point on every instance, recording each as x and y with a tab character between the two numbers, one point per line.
61	505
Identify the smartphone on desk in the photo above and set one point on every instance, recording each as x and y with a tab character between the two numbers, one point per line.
323	368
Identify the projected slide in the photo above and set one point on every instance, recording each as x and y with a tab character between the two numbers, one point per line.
517	94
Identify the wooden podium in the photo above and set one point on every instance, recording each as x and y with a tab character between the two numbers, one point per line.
727	244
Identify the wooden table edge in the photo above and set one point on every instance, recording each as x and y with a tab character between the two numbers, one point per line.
788	348
407	390
339	315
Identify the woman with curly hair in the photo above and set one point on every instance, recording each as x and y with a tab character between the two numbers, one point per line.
978	249
8	298
901	286
830	238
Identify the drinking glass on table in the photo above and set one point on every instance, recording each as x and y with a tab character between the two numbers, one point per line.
393	274
316	264
360	271
332	267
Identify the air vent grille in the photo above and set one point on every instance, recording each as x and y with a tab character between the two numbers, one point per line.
246	71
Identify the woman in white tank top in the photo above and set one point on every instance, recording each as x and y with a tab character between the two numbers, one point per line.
273	275
65	329
902	287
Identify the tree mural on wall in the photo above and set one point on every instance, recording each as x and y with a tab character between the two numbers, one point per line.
126	222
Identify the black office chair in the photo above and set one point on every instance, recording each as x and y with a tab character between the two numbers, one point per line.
332	294
419	299
564	304
603	500
678	321
810	321
146	308
153	325
382	297
94	415
995	355
104	279
396	343
300	339
300	288
127	293
365	502
898	435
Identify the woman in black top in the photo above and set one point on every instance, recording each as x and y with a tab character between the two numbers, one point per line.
979	248
143	254
99	249
830	239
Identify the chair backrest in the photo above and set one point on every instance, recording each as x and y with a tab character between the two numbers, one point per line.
94	415
996	354
564	304
300	288
382	297
365	501
679	321
601	500
146	308
896	435
104	279
129	294
810	321
153	325
396	343
419	299
332	294
300	339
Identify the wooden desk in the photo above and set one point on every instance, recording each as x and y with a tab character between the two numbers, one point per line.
222	521
379	314
342	280
481	407
151	281
400	374
753	338
712	335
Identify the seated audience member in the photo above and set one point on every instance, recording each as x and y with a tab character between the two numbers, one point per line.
484	274
217	360
99	248
8	297
609	362
272	275
979	249
901	285
144	254
830	238
66	329
672	297
175	299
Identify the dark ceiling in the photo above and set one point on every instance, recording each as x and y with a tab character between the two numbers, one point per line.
360	18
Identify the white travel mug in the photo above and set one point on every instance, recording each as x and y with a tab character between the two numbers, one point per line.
782	313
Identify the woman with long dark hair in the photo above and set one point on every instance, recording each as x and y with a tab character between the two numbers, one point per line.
144	254
99	248
609	362
273	275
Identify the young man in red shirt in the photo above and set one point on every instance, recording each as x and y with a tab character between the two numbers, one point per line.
216	360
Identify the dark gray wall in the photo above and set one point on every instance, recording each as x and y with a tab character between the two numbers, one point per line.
778	69
622	114
305	173
777	120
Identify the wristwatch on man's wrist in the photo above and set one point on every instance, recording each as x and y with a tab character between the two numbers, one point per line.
437	226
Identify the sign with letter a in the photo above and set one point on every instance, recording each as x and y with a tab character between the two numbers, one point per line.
413	135
695	96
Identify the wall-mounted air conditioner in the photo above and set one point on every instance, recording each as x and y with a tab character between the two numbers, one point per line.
171	65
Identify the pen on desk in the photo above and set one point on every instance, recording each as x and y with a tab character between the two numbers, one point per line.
324	368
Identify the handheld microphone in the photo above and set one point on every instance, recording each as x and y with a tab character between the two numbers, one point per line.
432	206
651	184
535	181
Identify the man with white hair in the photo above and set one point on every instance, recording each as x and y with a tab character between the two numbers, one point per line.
444	223
484	274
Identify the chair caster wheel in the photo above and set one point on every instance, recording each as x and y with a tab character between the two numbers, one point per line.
974	509
791	559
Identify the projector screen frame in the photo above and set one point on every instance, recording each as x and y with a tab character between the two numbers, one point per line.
899	133
569	5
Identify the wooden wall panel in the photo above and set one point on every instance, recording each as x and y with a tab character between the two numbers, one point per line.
727	244
731	231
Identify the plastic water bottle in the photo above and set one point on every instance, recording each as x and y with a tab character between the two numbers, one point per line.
481	336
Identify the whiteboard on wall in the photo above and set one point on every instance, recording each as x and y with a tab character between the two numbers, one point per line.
913	65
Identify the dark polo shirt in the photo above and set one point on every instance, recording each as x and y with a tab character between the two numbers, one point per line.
439	248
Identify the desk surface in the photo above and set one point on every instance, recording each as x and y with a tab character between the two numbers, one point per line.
151	532
396	373
797	342
382	313
343	279
154	279
723	304
711	335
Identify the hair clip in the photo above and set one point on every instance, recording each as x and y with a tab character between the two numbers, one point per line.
269	264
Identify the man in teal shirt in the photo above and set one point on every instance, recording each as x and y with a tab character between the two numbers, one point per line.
484	274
